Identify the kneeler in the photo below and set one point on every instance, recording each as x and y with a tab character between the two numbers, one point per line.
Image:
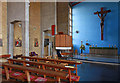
32	78
40	80
17	75
74	77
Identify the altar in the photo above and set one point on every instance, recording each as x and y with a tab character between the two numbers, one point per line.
103	50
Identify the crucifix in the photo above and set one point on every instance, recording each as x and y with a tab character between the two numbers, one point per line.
102	17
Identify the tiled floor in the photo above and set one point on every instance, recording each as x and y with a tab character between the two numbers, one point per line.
98	68
98	72
98	58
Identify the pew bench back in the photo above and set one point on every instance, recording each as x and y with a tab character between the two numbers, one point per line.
44	66
55	61
55	74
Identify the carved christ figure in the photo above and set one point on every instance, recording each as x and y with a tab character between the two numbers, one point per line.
102	17
102	21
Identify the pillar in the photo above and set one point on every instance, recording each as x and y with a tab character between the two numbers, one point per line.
11	38
26	30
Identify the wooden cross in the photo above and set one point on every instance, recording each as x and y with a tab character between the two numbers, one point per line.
103	14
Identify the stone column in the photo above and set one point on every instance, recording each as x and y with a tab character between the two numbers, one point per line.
26	39
11	38
41	33
23	37
42	44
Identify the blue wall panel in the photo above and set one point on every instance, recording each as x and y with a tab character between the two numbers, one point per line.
119	27
88	25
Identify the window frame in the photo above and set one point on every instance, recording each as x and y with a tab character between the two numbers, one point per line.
70	20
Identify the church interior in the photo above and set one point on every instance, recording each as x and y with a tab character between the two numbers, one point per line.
59	41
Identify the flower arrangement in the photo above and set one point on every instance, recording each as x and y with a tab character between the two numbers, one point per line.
82	47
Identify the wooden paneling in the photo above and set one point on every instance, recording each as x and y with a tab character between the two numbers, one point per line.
63	40
57	40
67	41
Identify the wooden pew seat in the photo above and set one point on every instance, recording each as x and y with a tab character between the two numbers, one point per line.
27	71
23	77
5	56
46	66
55	61
9	81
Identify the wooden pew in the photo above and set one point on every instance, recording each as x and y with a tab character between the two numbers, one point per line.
53	60
17	56
27	70
5	56
58	66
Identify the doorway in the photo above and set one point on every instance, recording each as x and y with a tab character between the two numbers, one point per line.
48	43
